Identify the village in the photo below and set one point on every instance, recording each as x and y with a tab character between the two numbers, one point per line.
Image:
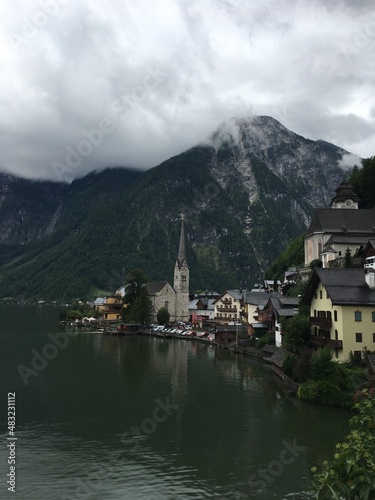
338	280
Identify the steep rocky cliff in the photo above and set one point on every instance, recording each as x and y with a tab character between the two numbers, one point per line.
246	194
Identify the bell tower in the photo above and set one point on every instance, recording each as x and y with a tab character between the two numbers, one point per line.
181	280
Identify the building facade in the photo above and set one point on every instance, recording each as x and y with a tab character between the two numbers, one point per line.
174	299
343	225
342	310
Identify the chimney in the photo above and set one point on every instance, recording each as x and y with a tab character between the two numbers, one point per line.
370	278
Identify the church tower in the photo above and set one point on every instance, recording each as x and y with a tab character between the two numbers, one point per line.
345	197
181	280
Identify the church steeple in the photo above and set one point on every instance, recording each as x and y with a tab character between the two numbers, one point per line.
181	279
181	256
345	197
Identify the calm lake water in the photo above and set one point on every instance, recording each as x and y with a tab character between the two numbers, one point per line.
146	418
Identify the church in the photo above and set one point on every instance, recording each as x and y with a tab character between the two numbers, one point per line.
175	299
343	225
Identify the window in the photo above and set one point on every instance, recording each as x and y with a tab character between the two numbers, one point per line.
316	296
166	304
321	294
358	337
327	295
373	337
373	315
335	315
357	316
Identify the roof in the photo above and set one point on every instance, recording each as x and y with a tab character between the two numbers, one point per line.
153	287
285	306
345	192
279	356
236	294
181	256
344	238
344	286
256	298
269	348
335	220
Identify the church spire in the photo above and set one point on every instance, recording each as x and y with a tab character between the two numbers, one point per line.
181	256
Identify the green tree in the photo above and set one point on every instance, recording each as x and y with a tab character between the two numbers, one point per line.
140	310
138	302
363	181
163	316
348	261
296	332
322	365
350	475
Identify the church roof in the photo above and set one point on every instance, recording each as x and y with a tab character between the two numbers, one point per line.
181	256
353	221
153	287
345	192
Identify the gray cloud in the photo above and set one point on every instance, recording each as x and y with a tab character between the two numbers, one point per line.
132	84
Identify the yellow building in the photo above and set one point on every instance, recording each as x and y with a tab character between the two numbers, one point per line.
342	310
109	307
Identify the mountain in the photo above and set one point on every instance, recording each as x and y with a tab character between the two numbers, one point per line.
246	194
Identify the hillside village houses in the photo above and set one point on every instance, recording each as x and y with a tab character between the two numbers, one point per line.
342	300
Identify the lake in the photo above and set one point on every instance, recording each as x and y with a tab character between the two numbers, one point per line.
102	417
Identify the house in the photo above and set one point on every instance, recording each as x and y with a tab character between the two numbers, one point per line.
228	307
343	225
342	309
201	310
109	307
279	307
272	286
253	304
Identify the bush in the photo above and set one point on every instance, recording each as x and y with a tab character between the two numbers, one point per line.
350	474
288	365
266	339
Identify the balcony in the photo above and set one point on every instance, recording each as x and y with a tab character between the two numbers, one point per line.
325	323
227	309
322	342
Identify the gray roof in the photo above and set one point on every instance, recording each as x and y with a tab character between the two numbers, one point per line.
343	238
285	306
256	298
344	286
181	256
345	192
153	287
279	356
335	220
269	348
236	294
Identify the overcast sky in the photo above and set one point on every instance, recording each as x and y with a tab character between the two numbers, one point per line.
87	84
